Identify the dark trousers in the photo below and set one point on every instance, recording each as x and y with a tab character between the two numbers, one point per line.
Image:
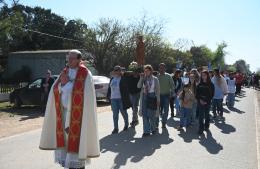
204	119
44	99
238	88
217	106
172	100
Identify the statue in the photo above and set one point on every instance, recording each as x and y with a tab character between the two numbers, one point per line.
140	51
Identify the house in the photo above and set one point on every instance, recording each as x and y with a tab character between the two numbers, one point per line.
40	61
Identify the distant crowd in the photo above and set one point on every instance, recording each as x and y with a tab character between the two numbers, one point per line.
189	95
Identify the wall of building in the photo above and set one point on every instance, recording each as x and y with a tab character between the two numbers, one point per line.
39	62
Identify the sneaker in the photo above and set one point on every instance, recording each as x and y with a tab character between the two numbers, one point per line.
146	134
125	128
180	128
115	131
172	114
154	132
200	132
134	123
163	125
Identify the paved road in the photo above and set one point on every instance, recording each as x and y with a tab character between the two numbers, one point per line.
231	144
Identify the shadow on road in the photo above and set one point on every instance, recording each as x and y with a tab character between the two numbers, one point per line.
233	109
102	103
210	143
128	147
191	133
223	126
173	123
32	111
225	110
26	112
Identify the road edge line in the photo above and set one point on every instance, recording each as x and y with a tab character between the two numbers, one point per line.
257	123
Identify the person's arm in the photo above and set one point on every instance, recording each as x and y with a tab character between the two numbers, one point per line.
212	90
157	90
171	83
197	92
225	87
140	82
109	90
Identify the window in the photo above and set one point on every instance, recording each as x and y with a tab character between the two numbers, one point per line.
35	84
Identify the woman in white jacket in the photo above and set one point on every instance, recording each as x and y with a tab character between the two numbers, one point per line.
150	100
221	89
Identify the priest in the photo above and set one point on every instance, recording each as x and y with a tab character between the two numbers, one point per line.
70	123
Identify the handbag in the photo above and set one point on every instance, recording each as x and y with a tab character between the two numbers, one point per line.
151	103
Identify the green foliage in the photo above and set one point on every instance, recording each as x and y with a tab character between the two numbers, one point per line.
258	71
110	41
219	55
231	68
242	66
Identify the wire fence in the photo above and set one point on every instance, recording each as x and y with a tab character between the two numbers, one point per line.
8	88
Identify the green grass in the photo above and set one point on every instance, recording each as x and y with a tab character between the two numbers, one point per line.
4	105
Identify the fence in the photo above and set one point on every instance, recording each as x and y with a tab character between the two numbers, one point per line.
8	88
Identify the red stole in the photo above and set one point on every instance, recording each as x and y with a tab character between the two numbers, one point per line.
76	111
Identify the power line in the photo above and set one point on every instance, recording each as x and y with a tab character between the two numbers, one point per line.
50	35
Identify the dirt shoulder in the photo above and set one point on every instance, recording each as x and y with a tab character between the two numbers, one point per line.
14	121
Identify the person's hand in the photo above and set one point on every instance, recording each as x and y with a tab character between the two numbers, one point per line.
67	130
202	102
142	75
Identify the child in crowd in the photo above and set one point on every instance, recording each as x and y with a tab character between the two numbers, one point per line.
186	98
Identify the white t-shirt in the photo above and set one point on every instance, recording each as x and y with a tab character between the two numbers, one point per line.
115	88
66	90
231	86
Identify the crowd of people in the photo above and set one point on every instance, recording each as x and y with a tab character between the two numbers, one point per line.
70	125
189	95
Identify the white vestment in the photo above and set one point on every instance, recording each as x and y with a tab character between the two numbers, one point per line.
89	140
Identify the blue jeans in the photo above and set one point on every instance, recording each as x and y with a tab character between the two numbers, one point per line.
204	118
164	108
117	105
217	105
148	115
231	99
134	98
177	106
185	117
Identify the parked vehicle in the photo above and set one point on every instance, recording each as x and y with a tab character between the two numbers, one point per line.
31	94
28	95
101	86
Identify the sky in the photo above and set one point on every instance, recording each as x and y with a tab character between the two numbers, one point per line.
206	22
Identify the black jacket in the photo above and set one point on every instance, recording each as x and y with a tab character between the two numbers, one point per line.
50	82
177	87
132	83
205	92
124	90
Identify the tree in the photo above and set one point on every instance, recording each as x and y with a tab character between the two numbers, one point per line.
201	55
219	55
242	66
103	43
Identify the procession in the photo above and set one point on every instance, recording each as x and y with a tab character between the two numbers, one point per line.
129	84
